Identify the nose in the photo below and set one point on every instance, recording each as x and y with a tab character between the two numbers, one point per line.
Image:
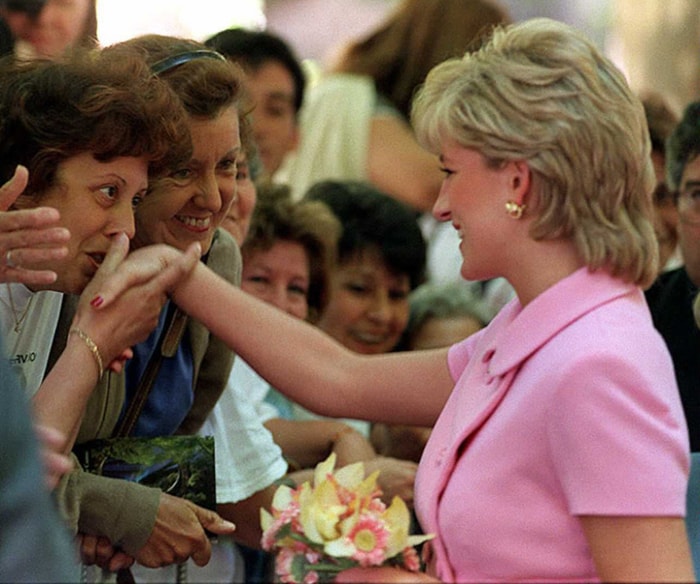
208	195
122	219
280	298
379	309
441	209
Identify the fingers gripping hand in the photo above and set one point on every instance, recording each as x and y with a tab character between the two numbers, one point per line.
139	283
160	267
13	188
177	269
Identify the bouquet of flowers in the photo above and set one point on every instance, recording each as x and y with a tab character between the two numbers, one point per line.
338	523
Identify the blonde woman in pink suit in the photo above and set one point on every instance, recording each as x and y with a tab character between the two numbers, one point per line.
559	450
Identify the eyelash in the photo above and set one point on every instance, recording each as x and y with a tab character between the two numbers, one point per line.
114	191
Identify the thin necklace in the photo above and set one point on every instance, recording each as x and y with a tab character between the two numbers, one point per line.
18	320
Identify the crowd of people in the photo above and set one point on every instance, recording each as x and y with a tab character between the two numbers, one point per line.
466	256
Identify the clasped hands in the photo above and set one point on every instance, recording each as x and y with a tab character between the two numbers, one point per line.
144	278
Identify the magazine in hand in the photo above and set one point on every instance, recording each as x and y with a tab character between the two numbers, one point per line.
182	466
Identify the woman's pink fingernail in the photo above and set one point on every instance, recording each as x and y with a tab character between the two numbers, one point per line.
97	301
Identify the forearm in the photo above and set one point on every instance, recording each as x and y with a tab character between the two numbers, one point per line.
263	336
122	511
309	442
310	367
61	399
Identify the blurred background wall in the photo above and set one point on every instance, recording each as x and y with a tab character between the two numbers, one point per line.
655	42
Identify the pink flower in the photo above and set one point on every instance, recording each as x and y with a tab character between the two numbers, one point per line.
338	521
268	540
369	537
410	559
312	556
283	565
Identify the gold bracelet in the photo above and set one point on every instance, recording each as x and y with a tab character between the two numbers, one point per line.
93	349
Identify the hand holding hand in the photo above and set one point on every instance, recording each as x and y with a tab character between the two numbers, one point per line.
141	281
179	533
28	237
160	266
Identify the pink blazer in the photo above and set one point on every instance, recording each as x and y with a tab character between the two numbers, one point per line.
566	407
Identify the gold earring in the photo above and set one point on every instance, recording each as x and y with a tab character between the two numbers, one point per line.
515	210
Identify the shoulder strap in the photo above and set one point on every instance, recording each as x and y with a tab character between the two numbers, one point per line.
167	346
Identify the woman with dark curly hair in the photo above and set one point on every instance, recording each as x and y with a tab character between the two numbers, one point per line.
92	130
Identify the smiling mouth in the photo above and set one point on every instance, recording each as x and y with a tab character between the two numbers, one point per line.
200	224
369	339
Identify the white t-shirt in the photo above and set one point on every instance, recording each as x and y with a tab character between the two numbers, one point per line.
28	320
247	458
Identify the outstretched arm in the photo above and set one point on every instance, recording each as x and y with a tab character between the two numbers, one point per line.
306	364
639	549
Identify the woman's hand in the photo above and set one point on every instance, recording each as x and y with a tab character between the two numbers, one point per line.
28	237
142	280
97	550
170	265
396	477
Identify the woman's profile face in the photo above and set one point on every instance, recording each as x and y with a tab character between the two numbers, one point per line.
96	201
472	198
189	205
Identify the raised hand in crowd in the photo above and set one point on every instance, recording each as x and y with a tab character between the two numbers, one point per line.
27	236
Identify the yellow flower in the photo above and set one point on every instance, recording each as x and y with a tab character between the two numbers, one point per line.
339	515
398	520
320	511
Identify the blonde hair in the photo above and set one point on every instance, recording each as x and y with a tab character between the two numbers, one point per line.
540	91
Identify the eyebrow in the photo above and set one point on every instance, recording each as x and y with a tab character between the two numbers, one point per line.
280	95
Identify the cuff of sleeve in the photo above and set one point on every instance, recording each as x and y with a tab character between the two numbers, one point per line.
122	511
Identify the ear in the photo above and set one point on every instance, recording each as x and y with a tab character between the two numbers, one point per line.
520	179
